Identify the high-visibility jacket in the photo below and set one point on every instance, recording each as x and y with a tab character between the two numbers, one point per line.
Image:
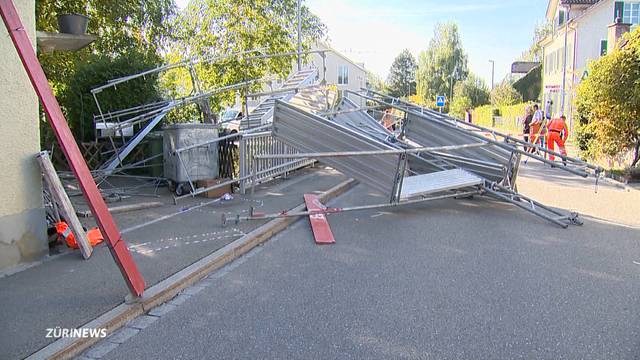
64	231
558	126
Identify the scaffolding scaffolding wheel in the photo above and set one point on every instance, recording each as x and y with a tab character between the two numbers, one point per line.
575	219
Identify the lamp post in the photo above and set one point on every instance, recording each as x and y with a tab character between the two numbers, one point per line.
299	35
564	67
493	71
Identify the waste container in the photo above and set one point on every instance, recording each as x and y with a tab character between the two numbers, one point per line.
199	163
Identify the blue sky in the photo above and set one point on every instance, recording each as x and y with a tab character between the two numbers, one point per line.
374	32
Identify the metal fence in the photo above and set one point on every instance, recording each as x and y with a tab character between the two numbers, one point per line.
264	143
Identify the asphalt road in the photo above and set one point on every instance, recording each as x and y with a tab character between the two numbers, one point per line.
69	292
455	279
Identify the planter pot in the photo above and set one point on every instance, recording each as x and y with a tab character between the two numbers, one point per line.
75	24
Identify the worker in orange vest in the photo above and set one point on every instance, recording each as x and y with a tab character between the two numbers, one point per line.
558	133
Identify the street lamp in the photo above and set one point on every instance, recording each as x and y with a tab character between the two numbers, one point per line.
493	71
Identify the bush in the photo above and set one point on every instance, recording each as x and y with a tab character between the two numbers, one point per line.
77	100
459	106
608	103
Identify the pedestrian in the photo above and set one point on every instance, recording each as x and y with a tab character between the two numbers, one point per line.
467	116
528	118
547	109
535	127
558	134
387	120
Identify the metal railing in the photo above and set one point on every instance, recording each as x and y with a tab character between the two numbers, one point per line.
257	144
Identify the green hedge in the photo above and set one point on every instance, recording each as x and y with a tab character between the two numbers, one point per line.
510	118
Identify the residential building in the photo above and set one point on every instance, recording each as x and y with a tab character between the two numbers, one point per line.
583	31
23	232
339	70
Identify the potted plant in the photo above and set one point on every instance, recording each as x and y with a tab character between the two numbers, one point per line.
72	20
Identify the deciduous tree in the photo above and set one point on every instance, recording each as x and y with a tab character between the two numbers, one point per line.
443	64
402	75
474	89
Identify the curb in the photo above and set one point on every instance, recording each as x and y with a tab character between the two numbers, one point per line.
168	288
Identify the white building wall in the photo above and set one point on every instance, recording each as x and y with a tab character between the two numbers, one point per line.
357	78
585	33
22	221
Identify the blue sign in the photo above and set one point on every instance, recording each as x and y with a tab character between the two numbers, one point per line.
441	100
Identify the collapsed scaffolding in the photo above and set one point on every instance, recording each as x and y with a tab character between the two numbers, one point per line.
249	138
431	157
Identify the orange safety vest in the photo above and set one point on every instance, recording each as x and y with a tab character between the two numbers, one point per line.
557	125
94	235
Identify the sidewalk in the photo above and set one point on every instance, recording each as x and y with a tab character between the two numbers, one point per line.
67	292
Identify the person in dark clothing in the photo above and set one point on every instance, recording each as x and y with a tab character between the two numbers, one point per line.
527	125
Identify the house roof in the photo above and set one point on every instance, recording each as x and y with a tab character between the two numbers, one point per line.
554	3
340	55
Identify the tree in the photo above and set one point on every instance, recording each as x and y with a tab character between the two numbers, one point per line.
608	103
375	83
210	28
459	105
534	52
505	94
442	64
121	26
402	75
133	29
474	90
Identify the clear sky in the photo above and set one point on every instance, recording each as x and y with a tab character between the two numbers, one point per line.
374	31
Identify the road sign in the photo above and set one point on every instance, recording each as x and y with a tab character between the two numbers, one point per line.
441	100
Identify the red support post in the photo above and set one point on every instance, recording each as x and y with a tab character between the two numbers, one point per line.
67	142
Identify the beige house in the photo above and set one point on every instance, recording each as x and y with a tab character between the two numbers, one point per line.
338	69
22	216
583	31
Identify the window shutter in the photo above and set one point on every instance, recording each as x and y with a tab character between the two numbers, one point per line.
561	17
618	11
603	47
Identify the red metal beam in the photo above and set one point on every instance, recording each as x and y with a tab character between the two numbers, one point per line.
110	231
319	224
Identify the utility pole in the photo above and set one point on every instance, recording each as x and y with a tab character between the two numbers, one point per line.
299	35
493	71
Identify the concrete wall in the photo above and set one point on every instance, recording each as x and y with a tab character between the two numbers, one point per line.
22	219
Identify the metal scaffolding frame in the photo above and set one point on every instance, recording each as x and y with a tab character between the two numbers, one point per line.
356	153
153	113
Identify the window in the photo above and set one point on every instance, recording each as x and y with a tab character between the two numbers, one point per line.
603	47
631	13
343	75
562	17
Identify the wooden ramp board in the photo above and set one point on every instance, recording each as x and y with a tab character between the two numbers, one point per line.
319	224
419	185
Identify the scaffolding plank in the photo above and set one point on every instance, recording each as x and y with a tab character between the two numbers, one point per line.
425	184
319	224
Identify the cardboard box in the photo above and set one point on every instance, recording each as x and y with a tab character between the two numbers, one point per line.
215	193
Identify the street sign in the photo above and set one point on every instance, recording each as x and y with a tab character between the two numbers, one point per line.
441	100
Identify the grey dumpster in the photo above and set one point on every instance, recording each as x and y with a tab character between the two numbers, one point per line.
199	163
